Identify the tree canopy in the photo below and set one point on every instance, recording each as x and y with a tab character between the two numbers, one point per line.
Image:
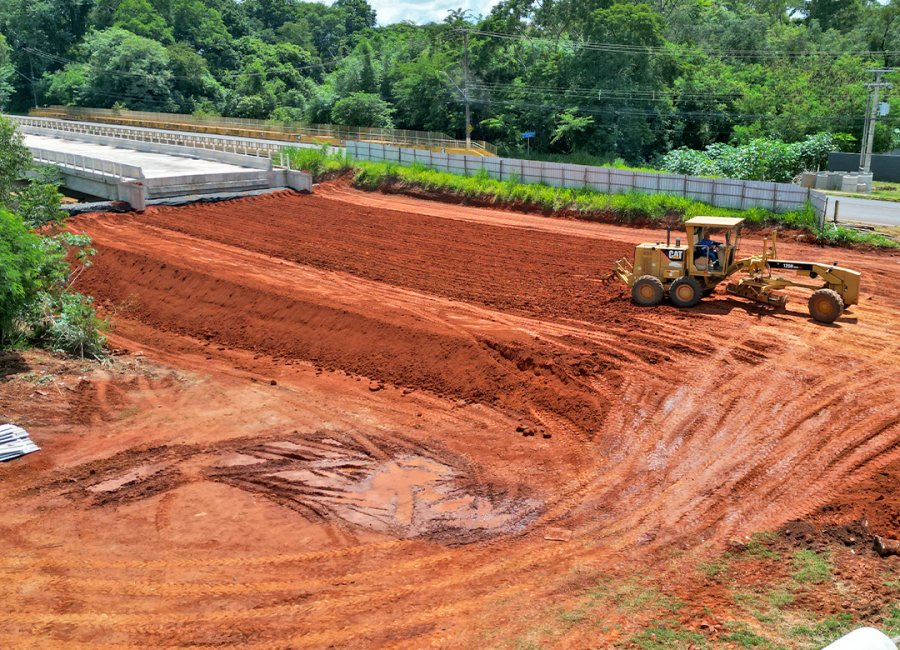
613	78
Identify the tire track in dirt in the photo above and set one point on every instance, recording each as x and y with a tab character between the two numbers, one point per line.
685	425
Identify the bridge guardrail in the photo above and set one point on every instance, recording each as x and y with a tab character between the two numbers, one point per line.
86	164
241	147
292	132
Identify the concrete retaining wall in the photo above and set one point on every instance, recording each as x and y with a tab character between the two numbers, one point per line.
292	179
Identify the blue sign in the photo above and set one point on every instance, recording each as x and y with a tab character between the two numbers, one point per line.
528	134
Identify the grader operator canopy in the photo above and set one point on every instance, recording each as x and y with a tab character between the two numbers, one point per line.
688	272
714	222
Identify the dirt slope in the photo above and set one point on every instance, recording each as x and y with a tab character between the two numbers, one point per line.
323	450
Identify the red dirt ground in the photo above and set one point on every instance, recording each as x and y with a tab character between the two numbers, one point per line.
313	441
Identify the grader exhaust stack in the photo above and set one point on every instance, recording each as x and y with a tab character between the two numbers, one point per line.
688	272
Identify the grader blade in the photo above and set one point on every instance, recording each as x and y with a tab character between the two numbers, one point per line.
759	293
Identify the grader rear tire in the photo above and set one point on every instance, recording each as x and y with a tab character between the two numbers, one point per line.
685	292
825	305
647	291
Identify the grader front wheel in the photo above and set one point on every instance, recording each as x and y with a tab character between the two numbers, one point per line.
685	292
825	305
647	291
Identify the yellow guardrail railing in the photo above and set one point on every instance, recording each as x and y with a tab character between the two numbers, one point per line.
283	131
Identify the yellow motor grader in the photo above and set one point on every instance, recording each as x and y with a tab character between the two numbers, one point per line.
687	272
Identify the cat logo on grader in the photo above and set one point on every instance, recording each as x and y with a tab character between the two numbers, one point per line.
693	270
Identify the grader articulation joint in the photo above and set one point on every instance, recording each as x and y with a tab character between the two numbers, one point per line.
688	272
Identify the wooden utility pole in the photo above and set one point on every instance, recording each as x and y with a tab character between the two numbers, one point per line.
868	139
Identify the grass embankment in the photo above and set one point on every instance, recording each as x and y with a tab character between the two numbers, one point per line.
632	208
880	192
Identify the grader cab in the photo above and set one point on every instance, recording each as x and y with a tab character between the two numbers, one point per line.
687	272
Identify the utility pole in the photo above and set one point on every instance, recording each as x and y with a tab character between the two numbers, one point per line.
33	89
865	156
466	89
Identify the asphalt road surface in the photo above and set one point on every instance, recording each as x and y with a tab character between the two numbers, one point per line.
867	211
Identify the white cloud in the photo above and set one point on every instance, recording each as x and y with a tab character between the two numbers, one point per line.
397	11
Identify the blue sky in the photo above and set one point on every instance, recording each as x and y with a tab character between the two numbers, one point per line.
395	11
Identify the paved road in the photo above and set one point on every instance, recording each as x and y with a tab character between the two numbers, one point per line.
867	211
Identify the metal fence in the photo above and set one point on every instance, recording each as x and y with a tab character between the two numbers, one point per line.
720	192
288	131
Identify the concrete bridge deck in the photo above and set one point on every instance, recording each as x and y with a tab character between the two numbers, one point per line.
152	165
138	169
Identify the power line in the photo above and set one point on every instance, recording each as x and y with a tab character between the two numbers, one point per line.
672	95
604	93
662	115
673	50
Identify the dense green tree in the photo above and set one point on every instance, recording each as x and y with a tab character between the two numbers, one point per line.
66	86
20	265
833	14
362	109
638	79
40	34
7	72
368	75
123	67
570	127
141	18
194	87
425	96
202	27
358	15
15	158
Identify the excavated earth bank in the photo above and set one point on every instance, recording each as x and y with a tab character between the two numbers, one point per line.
354	420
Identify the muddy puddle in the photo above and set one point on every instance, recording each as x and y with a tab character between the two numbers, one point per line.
398	489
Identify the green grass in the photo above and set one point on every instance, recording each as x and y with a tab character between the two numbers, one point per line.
317	161
632	596
881	191
713	570
780	598
741	634
668	635
758	546
628	207
891	624
820	633
810	567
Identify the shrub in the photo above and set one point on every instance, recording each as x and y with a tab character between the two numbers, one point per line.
75	327
363	109
37	203
760	159
318	161
21	262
